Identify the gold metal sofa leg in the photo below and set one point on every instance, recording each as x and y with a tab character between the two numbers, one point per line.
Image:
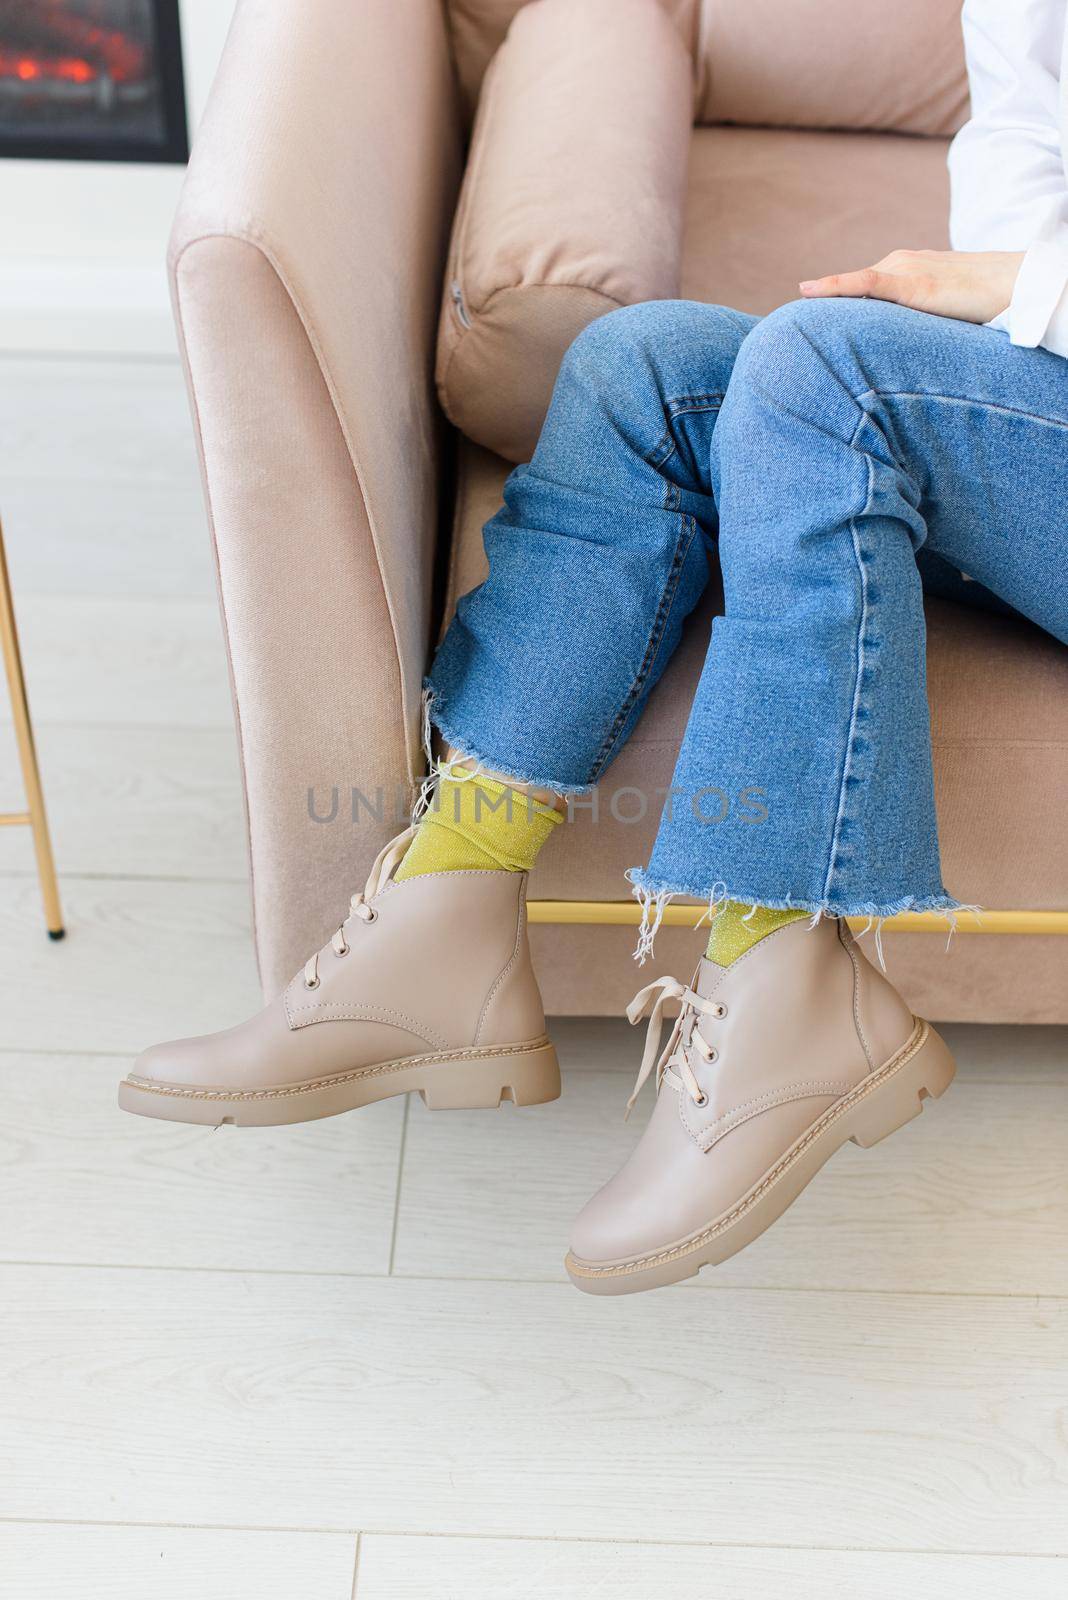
34	815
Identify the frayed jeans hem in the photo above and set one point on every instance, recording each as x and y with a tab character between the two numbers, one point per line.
465	751
643	885
654	894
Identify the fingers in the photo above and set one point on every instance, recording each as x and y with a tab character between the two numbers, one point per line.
904	276
868	283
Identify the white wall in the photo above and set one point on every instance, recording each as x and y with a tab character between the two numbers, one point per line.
82	243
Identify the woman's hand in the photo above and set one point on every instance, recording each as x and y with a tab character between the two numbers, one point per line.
974	286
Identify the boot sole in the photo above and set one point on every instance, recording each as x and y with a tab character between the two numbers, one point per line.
526	1074
876	1108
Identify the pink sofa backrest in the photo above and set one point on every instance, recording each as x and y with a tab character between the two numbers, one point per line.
894	65
867	64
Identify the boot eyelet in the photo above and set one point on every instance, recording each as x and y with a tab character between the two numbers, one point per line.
702	1102
374	915
721	1011
343	952
314	985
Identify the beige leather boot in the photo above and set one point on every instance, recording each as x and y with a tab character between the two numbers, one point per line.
772	1064
426	986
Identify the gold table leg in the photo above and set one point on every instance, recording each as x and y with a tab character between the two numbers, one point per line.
34	816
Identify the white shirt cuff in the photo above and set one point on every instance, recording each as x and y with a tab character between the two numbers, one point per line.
1055	337
1038	311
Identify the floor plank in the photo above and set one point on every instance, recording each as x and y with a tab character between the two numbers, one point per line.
55	1562
108	538
528	1569
152	663
142	961
133	802
972	1197
80	1181
97	420
735	1417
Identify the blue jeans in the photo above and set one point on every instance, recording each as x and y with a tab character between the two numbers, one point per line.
829	455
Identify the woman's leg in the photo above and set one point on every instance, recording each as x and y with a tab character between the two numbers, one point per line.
599	553
853	436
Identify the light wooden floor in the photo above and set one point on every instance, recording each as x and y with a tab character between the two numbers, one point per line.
342	1359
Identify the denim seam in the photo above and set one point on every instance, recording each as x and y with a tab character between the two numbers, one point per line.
847	758
959	400
682	406
665	447
687	533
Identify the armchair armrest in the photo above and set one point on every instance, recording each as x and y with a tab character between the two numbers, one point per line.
306	262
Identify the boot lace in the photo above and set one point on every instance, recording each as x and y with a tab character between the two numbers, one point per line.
673	1063
385	863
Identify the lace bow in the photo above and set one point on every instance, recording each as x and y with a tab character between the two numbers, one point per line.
673	1062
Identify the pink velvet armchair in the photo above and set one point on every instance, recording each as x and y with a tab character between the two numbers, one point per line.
309	259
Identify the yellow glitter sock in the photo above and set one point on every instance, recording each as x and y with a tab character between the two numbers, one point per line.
477	824
737	928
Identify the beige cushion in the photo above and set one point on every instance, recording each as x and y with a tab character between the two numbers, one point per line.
763	208
478	27
571	204
834	64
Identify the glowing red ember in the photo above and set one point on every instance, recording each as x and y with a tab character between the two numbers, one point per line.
54	43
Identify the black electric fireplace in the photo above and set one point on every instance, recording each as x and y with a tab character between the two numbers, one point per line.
93	80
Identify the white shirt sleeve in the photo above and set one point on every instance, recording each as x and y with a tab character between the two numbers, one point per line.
1038	311
1007	170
